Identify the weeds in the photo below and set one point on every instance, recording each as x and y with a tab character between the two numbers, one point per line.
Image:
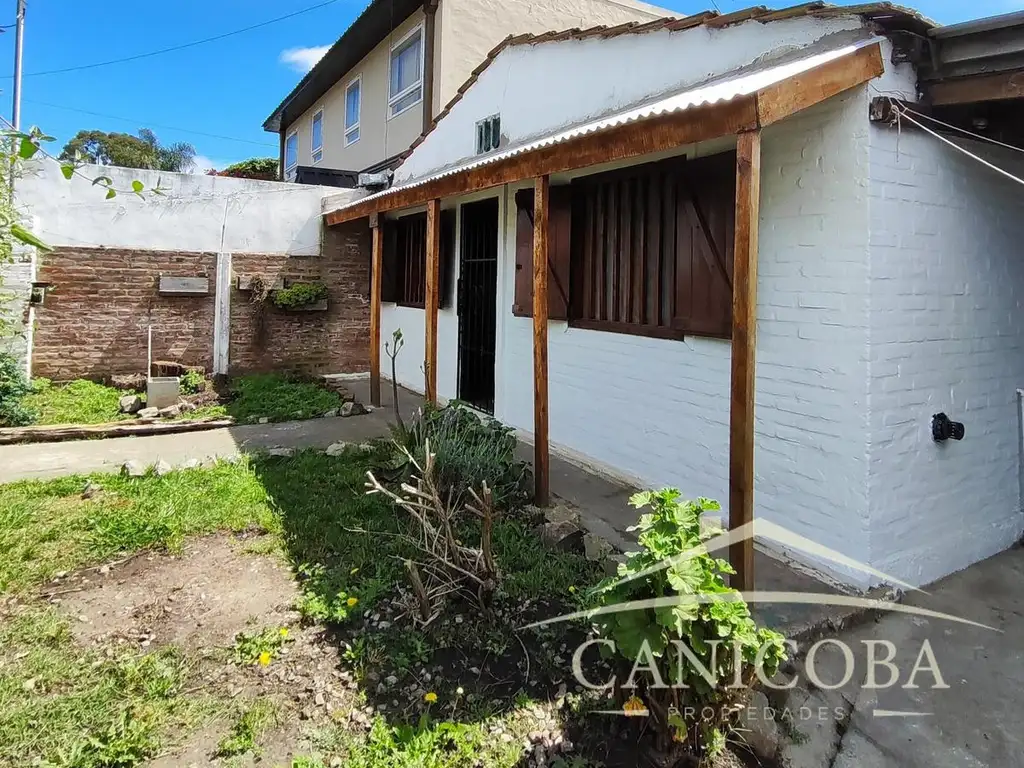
260	647
247	730
276	397
80	402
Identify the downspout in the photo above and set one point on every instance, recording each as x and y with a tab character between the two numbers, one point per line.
280	158
430	12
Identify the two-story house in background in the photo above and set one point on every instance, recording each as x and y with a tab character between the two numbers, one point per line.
381	84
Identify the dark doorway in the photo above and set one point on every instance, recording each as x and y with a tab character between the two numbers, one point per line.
478	293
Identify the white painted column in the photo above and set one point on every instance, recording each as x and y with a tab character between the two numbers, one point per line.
222	314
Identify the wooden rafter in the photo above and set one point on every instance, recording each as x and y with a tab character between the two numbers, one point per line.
643	137
376	276
430	301
541	462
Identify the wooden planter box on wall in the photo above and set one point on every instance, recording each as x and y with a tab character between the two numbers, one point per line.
320	306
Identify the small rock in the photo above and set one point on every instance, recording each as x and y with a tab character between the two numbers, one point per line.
279	451
262	420
148	413
595	548
758	728
130	404
104	570
162	468
170	412
560	537
331	413
319	700
352	409
610	565
133	468
187	407
91	490
562	513
192	464
336	449
391	680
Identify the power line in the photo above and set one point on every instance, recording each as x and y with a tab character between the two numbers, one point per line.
173	48
151	125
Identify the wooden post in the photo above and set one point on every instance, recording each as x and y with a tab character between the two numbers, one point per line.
744	332
540	342
433	261
376	275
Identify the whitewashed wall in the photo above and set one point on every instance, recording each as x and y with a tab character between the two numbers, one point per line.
947	277
585	79
196	213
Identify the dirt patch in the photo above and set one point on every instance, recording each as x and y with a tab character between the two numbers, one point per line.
200	598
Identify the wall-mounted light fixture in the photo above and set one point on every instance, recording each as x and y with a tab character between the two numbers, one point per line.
943	428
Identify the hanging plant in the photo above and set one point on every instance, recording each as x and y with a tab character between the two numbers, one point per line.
300	295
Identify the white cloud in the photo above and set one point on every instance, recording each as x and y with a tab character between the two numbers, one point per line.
204	163
303	59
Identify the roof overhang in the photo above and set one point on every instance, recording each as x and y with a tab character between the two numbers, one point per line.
372	26
742	103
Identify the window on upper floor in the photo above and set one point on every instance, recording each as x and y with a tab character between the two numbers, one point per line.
406	81
318	136
291	152
352	97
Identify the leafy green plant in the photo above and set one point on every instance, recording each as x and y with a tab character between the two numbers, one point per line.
14	386
260	647
192	382
263	168
299	295
246	730
423	745
698	612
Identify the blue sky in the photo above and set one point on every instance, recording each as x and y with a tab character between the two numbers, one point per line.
226	88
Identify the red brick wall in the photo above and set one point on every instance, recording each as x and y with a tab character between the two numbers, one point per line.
93	322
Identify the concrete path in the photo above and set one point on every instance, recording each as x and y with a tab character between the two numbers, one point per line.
976	721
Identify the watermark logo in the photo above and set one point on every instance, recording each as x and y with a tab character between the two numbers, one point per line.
878	658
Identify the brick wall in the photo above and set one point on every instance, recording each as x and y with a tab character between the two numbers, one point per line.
94	322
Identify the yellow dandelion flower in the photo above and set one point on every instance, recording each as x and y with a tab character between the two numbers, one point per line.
572	590
283	632
264	659
634	707
430	698
352	602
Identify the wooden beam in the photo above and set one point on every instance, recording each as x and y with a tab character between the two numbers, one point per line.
967	90
430	301
541	458
627	141
376	275
744	333
779	101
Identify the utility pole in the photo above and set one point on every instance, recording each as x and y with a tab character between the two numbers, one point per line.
19	38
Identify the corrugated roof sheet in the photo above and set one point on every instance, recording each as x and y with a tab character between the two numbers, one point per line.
721	90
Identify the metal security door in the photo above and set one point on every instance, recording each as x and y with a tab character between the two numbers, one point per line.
478	285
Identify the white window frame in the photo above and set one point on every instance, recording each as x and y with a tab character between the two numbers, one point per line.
354	128
313	149
392	99
288	168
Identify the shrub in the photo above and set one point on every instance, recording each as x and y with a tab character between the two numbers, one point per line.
14	386
299	295
698	612
192	383
469	451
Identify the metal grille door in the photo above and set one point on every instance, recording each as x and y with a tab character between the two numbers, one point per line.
478	284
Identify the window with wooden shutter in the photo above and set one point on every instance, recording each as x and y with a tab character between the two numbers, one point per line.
404	275
652	248
559	252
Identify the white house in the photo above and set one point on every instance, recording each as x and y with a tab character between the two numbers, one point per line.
888	275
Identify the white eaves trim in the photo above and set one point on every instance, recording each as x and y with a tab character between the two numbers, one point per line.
723	90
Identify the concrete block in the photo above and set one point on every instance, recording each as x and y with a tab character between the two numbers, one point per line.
162	392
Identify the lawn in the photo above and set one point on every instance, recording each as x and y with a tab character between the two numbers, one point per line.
115	703
248	399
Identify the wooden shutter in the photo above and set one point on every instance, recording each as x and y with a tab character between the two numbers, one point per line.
559	237
705	216
389	261
446	258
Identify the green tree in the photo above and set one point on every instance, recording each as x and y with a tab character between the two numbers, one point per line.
264	168
127	151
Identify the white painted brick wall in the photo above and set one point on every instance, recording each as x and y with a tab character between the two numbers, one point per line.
15	289
947	282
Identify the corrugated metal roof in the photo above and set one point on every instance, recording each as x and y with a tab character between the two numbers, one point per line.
721	90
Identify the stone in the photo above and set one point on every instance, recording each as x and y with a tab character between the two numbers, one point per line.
595	548
610	565
148	413
192	464
278	450
562	513
130	404
560	537
331	413
91	490
162	468
336	449
171	411
187	407
263	420
757	727
133	468
352	409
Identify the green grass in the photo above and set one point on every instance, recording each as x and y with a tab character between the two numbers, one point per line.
79	708
251	722
80	402
277	397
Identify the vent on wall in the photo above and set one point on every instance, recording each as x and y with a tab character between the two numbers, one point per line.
488	134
